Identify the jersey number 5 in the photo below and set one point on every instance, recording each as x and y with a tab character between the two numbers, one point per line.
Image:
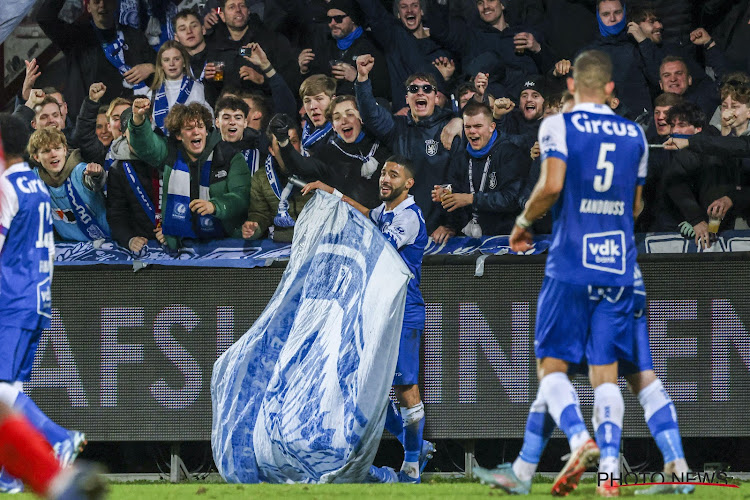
603	183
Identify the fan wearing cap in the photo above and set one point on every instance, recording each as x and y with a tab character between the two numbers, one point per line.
520	125
336	55
133	211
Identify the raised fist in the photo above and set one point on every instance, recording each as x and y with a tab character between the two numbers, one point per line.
365	63
96	91
141	107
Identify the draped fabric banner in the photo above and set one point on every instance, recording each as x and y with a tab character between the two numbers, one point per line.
301	397
240	253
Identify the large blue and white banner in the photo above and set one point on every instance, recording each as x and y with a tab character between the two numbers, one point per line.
301	397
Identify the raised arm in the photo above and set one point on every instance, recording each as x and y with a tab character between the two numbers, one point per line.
376	118
84	133
147	145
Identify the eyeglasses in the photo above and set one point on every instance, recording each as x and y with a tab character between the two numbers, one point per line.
337	19
427	89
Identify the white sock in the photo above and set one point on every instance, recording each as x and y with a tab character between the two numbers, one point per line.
411	469
562	403
609	410
523	469
9	392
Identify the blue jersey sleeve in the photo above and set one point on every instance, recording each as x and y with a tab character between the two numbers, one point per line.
403	229
552	138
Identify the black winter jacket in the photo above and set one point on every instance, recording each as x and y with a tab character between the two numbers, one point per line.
333	165
497	205
85	58
125	214
417	140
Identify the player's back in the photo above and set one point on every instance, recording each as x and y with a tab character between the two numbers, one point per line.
27	250
606	157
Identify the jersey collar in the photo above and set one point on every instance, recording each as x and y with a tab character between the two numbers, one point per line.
409	201
601	109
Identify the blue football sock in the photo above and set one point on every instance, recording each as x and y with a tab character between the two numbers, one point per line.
661	418
51	431
609	410
539	427
393	421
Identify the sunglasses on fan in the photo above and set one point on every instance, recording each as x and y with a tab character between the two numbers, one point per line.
337	19
427	89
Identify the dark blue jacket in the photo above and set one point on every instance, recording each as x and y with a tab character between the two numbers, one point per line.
628	70
404	54
474	41
496	205
417	140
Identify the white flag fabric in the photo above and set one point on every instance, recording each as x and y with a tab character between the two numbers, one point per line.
301	397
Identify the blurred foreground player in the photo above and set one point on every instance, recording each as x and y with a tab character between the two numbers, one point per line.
402	224
585	309
26	253
25	454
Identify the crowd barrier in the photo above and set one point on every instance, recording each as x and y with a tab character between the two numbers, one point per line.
129	354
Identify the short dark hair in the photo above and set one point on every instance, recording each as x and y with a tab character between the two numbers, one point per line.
688	112
287	120
405	163
670	59
428	77
474	108
14	135
641	13
667	99
53	90
260	103
184	14
102	111
232	103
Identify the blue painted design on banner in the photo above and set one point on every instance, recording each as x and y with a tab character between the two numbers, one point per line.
301	397
140	193
84	218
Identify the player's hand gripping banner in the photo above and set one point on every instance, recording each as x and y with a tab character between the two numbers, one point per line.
301	397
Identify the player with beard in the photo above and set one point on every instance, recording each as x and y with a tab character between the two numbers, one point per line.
401	222
417	134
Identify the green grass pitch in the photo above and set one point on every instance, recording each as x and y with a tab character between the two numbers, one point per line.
439	490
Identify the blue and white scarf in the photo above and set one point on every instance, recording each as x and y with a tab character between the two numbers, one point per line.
114	51
282	218
84	218
310	136
161	104
140	193
177	218
252	158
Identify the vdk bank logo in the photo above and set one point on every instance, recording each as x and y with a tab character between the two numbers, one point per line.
605	251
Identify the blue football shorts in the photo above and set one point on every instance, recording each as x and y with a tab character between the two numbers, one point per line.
407	365
579	323
17	351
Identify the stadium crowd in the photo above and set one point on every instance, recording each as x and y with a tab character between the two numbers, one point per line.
168	124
